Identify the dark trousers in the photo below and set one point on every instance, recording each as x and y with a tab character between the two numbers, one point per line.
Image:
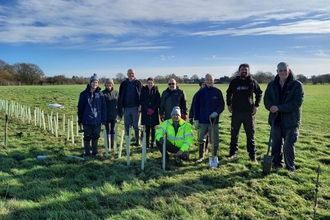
290	137
169	148
247	119
110	127
149	128
91	132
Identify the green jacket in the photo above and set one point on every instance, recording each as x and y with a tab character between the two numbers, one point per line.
184	137
290	106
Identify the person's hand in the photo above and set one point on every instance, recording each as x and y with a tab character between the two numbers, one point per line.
179	153
191	121
273	109
213	115
230	109
184	117
196	123
161	140
162	117
254	111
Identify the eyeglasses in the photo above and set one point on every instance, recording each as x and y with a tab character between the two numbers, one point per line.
171	84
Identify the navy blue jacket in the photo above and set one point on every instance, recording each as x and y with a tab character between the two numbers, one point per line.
207	101
122	94
92	109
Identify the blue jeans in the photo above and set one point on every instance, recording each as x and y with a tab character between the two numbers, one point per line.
283	140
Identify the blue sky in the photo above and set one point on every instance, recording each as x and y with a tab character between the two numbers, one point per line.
156	37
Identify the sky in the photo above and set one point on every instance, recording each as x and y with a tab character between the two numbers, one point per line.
161	37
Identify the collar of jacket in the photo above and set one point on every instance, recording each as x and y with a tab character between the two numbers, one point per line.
181	121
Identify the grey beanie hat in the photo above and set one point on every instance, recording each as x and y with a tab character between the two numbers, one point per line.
176	111
108	80
94	77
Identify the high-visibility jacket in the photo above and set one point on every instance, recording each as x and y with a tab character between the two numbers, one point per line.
183	139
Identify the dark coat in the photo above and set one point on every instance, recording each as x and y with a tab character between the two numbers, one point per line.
170	99
92	109
150	99
111	100
122	94
290	106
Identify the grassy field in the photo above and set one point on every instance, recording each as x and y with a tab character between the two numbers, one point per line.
106	188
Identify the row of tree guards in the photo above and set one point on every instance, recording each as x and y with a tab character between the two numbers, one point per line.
69	127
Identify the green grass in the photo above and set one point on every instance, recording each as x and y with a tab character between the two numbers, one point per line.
105	188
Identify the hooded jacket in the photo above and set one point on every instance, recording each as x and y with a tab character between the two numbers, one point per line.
111	100
92	109
240	94
289	106
150	99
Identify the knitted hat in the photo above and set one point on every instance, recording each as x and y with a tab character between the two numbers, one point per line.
94	77
176	111
108	80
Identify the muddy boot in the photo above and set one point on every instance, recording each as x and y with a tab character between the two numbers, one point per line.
94	147
87	146
137	138
201	152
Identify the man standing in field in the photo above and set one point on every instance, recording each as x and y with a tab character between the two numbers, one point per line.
129	101
171	97
283	98
209	104
240	103
92	112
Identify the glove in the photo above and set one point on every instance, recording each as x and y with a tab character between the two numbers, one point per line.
196	123
184	117
150	111
213	115
162	117
161	140
191	121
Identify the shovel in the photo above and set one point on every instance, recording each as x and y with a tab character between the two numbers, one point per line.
213	160
267	161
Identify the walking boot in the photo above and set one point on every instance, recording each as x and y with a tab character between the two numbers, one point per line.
87	146
94	147
201	152
137	138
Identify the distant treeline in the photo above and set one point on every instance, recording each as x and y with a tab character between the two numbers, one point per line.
31	74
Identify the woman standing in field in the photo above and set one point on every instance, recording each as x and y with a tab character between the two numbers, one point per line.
111	100
150	102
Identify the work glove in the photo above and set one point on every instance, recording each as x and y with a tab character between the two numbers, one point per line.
213	115
196	124
191	121
162	117
150	111
161	140
184	117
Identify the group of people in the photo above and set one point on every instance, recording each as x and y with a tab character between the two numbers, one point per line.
144	105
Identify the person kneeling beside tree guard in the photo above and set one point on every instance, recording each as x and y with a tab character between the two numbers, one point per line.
178	136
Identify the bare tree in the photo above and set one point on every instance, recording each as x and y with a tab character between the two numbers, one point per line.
120	77
301	78
28	73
